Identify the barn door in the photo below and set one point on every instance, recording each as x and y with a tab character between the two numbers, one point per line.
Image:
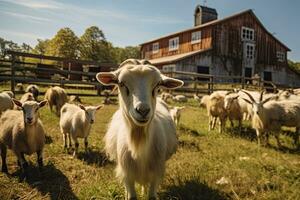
249	55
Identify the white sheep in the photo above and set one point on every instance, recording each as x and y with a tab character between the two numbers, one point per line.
28	96
23	133
56	96
233	109
176	114
76	122
204	100
141	135
216	110
5	102
180	98
34	89
270	116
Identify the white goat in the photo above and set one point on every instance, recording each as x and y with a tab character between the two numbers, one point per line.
5	102
142	134
28	96
76	122
269	116
176	114
233	109
56	96
23	132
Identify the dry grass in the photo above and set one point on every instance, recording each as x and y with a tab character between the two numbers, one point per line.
201	160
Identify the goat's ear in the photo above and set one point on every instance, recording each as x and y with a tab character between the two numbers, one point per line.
18	103
43	103
81	106
236	97
107	78
98	107
247	101
170	83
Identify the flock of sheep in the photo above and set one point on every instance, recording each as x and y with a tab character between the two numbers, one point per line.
141	136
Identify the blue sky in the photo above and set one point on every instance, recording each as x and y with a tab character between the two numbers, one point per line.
131	22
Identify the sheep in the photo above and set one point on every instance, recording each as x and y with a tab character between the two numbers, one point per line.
5	102
141	136
233	109
176	114
56	96
10	93
19	87
34	89
180	98
215	109
203	101
270	116
76	122
23	133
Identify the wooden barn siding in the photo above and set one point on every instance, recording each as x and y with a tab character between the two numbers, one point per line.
266	46
185	45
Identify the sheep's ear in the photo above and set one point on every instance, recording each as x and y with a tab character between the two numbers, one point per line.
247	101
107	78
98	107
43	103
18	103
170	83
81	106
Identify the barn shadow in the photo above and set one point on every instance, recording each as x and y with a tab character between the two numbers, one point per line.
93	157
51	181
192	190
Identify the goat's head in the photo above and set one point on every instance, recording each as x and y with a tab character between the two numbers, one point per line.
138	82
257	107
90	112
30	110
229	100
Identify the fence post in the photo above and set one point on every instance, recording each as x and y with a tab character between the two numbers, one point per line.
13	81
243	82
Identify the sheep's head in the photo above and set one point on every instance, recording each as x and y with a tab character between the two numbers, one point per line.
257	107
90	112
138	82
30	110
229	100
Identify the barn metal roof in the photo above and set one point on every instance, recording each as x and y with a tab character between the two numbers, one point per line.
177	57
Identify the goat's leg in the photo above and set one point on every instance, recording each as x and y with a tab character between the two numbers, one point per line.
23	164
214	121
152	190
258	137
40	159
129	189
277	139
65	140
210	123
86	144
75	140
3	150
70	141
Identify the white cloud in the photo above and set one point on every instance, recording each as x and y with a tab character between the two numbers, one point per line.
45	4
26	17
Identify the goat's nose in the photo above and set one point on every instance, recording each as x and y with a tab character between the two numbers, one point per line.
92	121
142	109
29	119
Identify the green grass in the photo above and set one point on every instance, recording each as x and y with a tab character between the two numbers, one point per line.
201	160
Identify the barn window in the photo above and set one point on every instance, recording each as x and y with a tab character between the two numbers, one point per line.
247	33
280	56
250	51
196	37
168	68
173	43
155	47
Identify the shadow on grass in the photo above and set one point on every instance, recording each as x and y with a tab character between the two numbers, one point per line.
48	139
94	158
51	181
189	145
188	130
192	190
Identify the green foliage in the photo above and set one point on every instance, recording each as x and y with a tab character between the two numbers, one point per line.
122	54
41	47
294	65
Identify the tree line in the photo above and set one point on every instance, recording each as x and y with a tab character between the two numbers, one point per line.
92	45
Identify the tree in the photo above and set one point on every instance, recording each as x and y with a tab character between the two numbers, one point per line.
93	46
41	47
7	45
64	44
26	48
122	54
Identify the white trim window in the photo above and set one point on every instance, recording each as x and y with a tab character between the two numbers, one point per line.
250	49
196	37
155	47
169	68
247	34
173	44
280	56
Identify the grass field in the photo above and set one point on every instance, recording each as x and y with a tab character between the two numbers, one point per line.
201	160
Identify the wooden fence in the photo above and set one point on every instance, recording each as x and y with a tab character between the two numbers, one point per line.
16	71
